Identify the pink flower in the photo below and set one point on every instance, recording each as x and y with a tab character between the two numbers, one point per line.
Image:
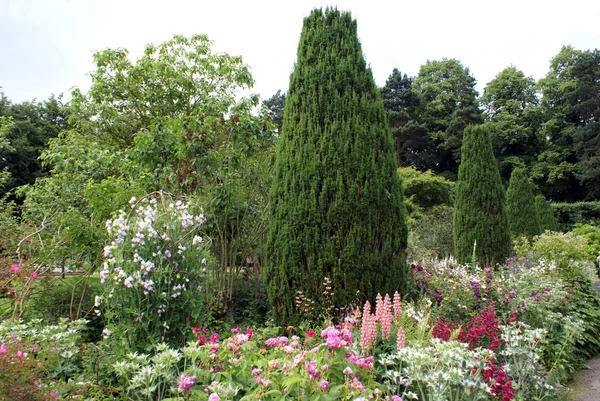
34	275
186	382
3	350
324	385
386	318
214	397
330	331
20	354
311	369
15	267
347	336
310	333
397	307
396	398
347	370
333	341
400	339
236	330
214	337
249	333
196	329
325	367
53	394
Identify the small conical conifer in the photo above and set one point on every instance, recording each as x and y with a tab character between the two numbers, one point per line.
336	202
480	224
520	205
546	216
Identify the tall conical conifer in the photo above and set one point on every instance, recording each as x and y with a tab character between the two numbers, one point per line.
479	222
336	204
520	205
547	218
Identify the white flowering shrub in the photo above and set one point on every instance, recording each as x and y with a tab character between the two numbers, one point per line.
438	371
154	272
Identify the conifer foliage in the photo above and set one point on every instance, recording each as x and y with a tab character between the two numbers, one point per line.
479	220
520	205
336	203
545	214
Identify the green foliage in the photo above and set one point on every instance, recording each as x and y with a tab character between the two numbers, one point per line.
565	249
569	214
448	104
426	190
545	214
275	105
27	127
430	235
154	273
520	205
480	223
413	146
336	204
591	234
513	118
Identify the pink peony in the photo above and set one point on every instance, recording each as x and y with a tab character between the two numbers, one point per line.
347	370
324	385
236	330
214	337
3	350
333	341
15	267
214	397
186	382
20	354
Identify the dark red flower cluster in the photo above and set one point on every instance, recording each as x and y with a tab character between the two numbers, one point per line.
443	329
482	330
499	382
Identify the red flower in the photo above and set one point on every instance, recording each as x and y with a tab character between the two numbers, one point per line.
310	333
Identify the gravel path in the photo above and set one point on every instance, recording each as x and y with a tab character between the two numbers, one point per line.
586	383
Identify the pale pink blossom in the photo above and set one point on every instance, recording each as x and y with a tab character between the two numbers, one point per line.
400	339
397	306
333	342
186	382
324	385
214	397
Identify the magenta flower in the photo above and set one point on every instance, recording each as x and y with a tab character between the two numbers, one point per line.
324	385
3	350
186	382
34	275
310	333
15	267
20	354
214	337
53	394
333	341
236	330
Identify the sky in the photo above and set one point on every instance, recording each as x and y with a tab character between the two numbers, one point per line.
46	46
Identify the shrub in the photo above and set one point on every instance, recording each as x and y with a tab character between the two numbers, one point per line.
479	220
336	203
520	205
546	215
430	236
154	273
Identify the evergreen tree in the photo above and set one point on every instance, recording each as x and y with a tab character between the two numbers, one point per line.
413	146
520	205
336	200
479	218
274	105
448	103
545	214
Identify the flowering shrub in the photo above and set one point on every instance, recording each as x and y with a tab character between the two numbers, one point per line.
154	272
32	356
248	366
439	371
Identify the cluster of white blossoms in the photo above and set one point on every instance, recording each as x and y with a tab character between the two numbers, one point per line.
153	249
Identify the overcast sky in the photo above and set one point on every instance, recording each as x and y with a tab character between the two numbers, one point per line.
46	46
